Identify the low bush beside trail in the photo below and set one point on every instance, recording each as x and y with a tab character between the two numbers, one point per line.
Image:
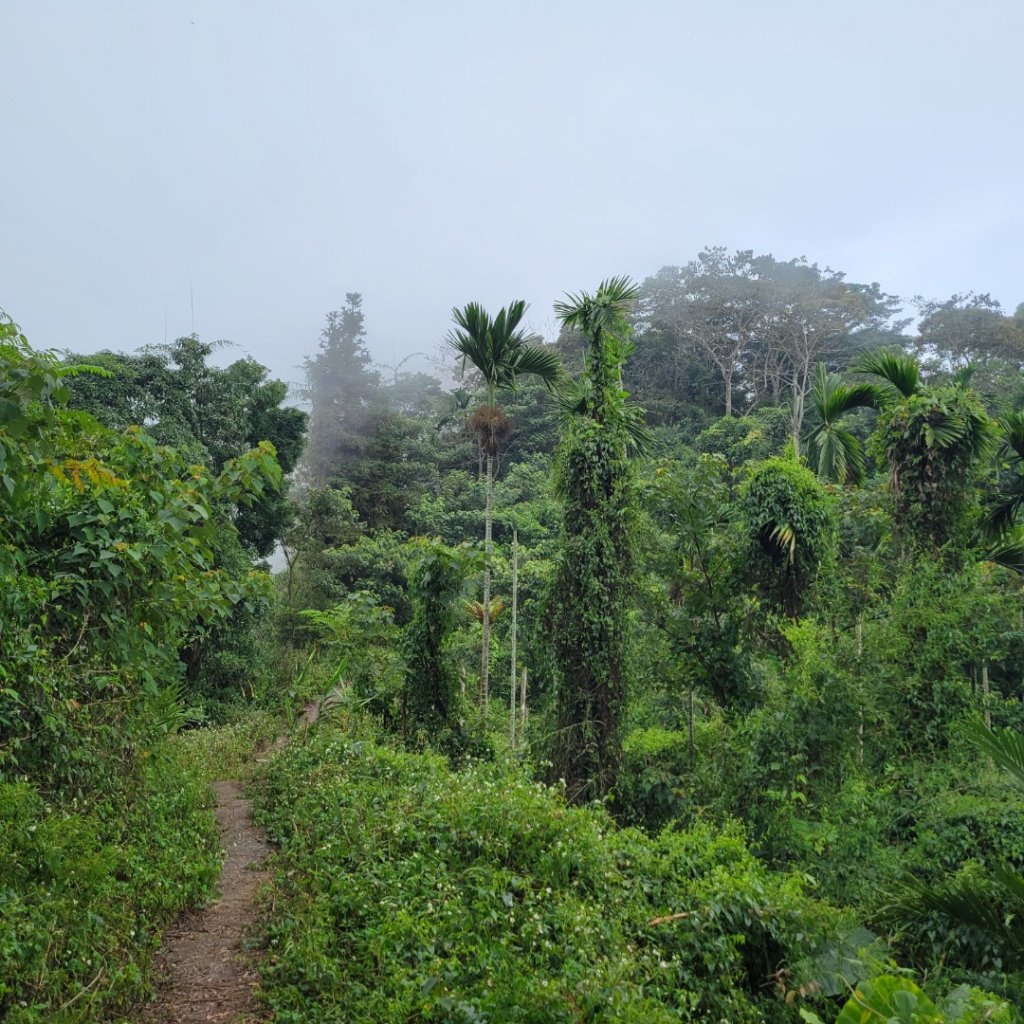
407	891
87	887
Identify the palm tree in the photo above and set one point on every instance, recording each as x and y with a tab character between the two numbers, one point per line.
933	438
837	454
592	590
1005	510
501	351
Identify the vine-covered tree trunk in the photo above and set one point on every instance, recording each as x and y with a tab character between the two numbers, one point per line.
485	646
593	581
591	615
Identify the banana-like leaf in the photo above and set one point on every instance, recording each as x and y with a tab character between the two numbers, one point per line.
889	1000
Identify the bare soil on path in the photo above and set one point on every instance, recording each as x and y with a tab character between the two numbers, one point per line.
205	974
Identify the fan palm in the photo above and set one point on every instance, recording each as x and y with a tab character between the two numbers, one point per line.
838	455
501	351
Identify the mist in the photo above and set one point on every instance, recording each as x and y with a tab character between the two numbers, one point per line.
236	169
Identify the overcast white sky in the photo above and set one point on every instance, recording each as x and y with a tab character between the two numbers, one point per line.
272	156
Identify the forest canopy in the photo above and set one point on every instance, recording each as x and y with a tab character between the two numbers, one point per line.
665	669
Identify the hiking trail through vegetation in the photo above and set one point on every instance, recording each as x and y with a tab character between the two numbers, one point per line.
205	973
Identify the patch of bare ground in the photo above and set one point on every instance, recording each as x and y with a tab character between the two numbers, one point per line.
204	974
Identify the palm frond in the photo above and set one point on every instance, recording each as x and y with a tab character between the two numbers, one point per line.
963	377
899	370
1008	553
1000	518
831	397
573	397
641	439
1004	746
541	362
784	536
1011	439
837	454
499	348
944	432
602	311
967	901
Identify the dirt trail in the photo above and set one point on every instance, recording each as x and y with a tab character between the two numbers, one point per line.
205	975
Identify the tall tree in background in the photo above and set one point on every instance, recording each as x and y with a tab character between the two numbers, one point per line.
210	415
501	351
593	581
713	306
815	316
760	324
340	388
966	329
972	330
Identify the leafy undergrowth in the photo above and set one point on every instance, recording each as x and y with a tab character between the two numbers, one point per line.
405	891
227	751
85	890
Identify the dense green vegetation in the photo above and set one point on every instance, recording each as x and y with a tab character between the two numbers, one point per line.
119	562
767	626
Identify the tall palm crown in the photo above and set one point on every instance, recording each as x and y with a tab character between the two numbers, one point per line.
601	318
498	348
837	453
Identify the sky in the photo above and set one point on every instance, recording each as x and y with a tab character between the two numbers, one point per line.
235	167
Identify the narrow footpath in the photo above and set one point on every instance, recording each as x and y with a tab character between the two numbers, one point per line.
205	976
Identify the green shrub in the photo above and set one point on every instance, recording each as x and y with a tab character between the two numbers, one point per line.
650	788
86	889
406	891
791	530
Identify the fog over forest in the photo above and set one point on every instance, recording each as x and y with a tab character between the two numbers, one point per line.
235	169
664	664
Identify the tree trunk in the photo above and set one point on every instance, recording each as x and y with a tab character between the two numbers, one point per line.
485	653
860	694
800	388
727	377
985	694
522	705
690	728
515	602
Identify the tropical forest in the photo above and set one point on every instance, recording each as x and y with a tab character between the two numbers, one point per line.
667	665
